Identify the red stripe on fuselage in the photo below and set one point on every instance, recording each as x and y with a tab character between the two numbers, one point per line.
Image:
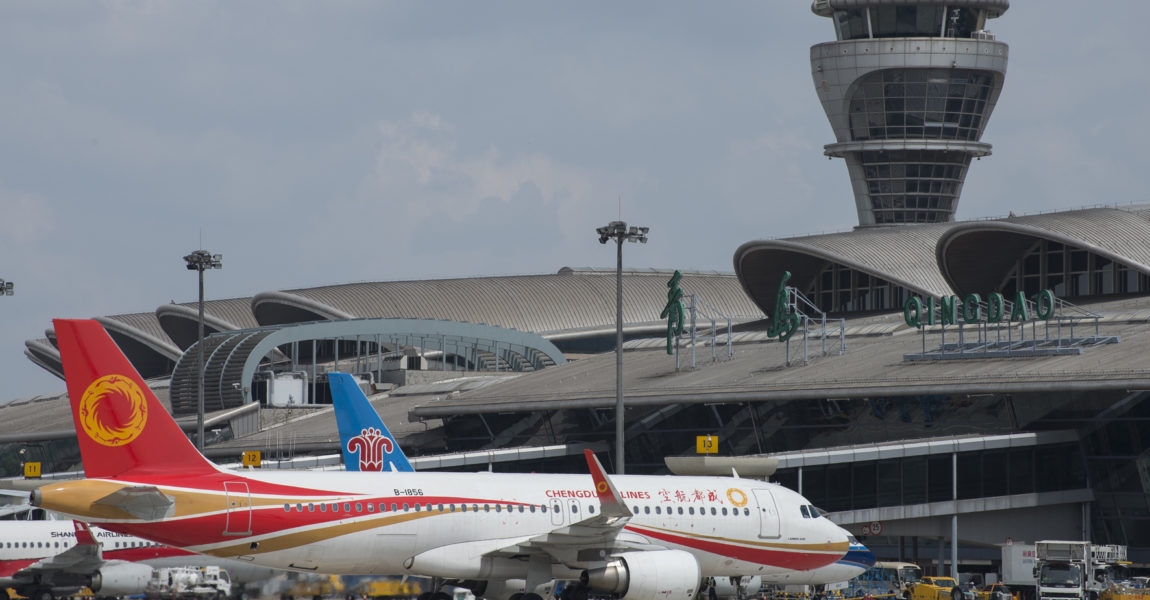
797	560
9	568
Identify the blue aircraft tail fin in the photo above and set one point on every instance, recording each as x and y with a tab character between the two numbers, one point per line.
366	443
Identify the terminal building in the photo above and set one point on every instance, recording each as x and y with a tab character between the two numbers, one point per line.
868	365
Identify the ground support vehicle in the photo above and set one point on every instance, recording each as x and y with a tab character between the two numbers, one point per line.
189	583
1074	570
936	588
391	588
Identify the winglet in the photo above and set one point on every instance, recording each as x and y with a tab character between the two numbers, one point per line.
612	504
84	535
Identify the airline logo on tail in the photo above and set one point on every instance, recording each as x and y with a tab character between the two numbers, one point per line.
113	410
367	445
371	445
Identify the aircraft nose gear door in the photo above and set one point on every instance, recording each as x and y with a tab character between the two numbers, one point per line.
768	514
239	508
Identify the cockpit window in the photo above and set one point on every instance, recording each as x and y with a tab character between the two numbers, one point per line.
815	512
803	509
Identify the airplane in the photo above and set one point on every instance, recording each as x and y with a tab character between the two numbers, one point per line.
53	558
361	429
365	441
642	537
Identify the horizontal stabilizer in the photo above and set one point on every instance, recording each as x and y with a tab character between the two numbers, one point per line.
142	501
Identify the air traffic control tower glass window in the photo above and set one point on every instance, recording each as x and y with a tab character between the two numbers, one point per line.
851	24
907	21
930	104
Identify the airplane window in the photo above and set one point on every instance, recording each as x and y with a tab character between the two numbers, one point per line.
815	512
417	507
310	507
680	510
440	508
532	508
287	507
591	509
299	507
347	507
724	511
714	511
691	510
370	507
543	508
358	507
474	508
497	509
647	510
405	507
393	506
803	509
746	511
635	509
659	510
335	507
521	508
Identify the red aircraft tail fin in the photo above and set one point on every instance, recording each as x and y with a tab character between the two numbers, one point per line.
120	424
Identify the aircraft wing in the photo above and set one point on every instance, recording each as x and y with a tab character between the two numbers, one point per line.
84	557
592	538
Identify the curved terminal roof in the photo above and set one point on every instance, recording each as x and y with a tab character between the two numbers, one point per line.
572	301
903	255
233	358
943	258
976	256
181	321
571	304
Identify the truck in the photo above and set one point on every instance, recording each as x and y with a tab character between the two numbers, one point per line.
1073	570
1018	561
189	583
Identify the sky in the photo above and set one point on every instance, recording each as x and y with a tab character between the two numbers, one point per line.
315	143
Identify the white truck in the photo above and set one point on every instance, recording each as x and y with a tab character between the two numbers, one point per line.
189	583
1067	570
1018	562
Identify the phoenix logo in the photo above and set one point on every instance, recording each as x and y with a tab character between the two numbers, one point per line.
113	410
371	445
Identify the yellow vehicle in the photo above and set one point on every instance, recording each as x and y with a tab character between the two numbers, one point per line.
993	591
388	588
934	588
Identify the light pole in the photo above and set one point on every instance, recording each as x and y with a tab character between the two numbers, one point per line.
198	261
618	231
6	288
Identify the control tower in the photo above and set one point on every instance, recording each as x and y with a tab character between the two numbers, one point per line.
908	87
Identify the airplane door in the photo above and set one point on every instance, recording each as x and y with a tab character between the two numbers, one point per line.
768	514
575	510
556	512
238	520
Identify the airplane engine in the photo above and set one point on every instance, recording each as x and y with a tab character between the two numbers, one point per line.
121	579
654	575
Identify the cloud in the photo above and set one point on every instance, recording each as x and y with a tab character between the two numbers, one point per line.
28	219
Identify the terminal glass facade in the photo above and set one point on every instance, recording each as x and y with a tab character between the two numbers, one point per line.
924	479
1069	271
840	289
